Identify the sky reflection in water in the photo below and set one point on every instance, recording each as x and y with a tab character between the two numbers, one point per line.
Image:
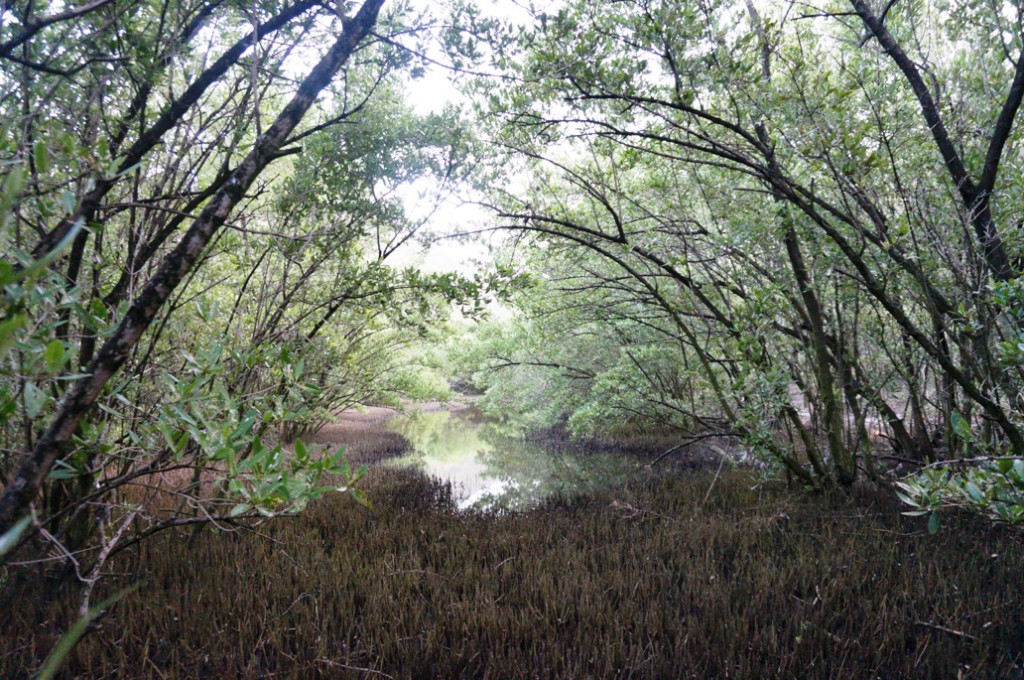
489	471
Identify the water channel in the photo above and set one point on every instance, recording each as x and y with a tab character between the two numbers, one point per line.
492	471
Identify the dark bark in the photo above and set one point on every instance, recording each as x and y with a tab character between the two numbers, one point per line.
845	461
832	409
976	197
7	48
26	482
896	312
167	120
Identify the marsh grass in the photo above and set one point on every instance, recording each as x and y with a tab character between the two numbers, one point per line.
658	579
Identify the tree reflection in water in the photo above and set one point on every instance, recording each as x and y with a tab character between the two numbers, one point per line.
492	471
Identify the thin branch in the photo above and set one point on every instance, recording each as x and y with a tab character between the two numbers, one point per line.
38	25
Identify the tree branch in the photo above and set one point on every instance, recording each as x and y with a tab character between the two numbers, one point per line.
38	25
168	119
24	485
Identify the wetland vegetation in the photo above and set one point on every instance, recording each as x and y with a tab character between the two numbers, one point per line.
735	289
654	579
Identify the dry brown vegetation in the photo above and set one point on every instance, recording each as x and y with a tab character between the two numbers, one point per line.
655	580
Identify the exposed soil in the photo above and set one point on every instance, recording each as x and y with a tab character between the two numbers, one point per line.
365	436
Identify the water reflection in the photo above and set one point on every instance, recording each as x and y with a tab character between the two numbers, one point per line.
489	471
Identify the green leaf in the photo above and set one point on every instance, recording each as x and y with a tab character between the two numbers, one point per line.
55	356
240	509
42	154
71	376
68	201
62	470
933	523
245	426
360	497
13	184
35	400
223	453
9	328
11	536
961	427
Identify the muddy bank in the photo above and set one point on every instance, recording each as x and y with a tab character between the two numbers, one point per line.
667	450
364	433
367	438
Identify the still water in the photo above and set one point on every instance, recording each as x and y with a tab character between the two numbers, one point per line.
490	471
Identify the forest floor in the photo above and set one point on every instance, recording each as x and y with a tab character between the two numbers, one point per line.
681	573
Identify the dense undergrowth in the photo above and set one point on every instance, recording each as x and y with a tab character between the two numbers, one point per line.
656	580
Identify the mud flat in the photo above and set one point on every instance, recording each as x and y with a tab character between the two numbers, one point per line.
365	435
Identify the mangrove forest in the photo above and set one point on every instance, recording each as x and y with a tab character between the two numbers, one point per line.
511	339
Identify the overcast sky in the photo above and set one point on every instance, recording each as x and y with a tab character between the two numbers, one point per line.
432	93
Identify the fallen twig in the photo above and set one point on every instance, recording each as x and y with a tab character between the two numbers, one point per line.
692	440
354	668
717	474
951	631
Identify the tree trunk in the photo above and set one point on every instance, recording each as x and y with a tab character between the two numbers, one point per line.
26	482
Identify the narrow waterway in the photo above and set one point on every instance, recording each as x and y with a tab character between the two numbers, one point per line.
490	471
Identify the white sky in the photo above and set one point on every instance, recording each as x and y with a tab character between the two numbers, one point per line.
430	94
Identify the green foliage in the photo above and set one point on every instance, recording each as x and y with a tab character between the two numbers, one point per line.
271	480
756	218
295	311
994	488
